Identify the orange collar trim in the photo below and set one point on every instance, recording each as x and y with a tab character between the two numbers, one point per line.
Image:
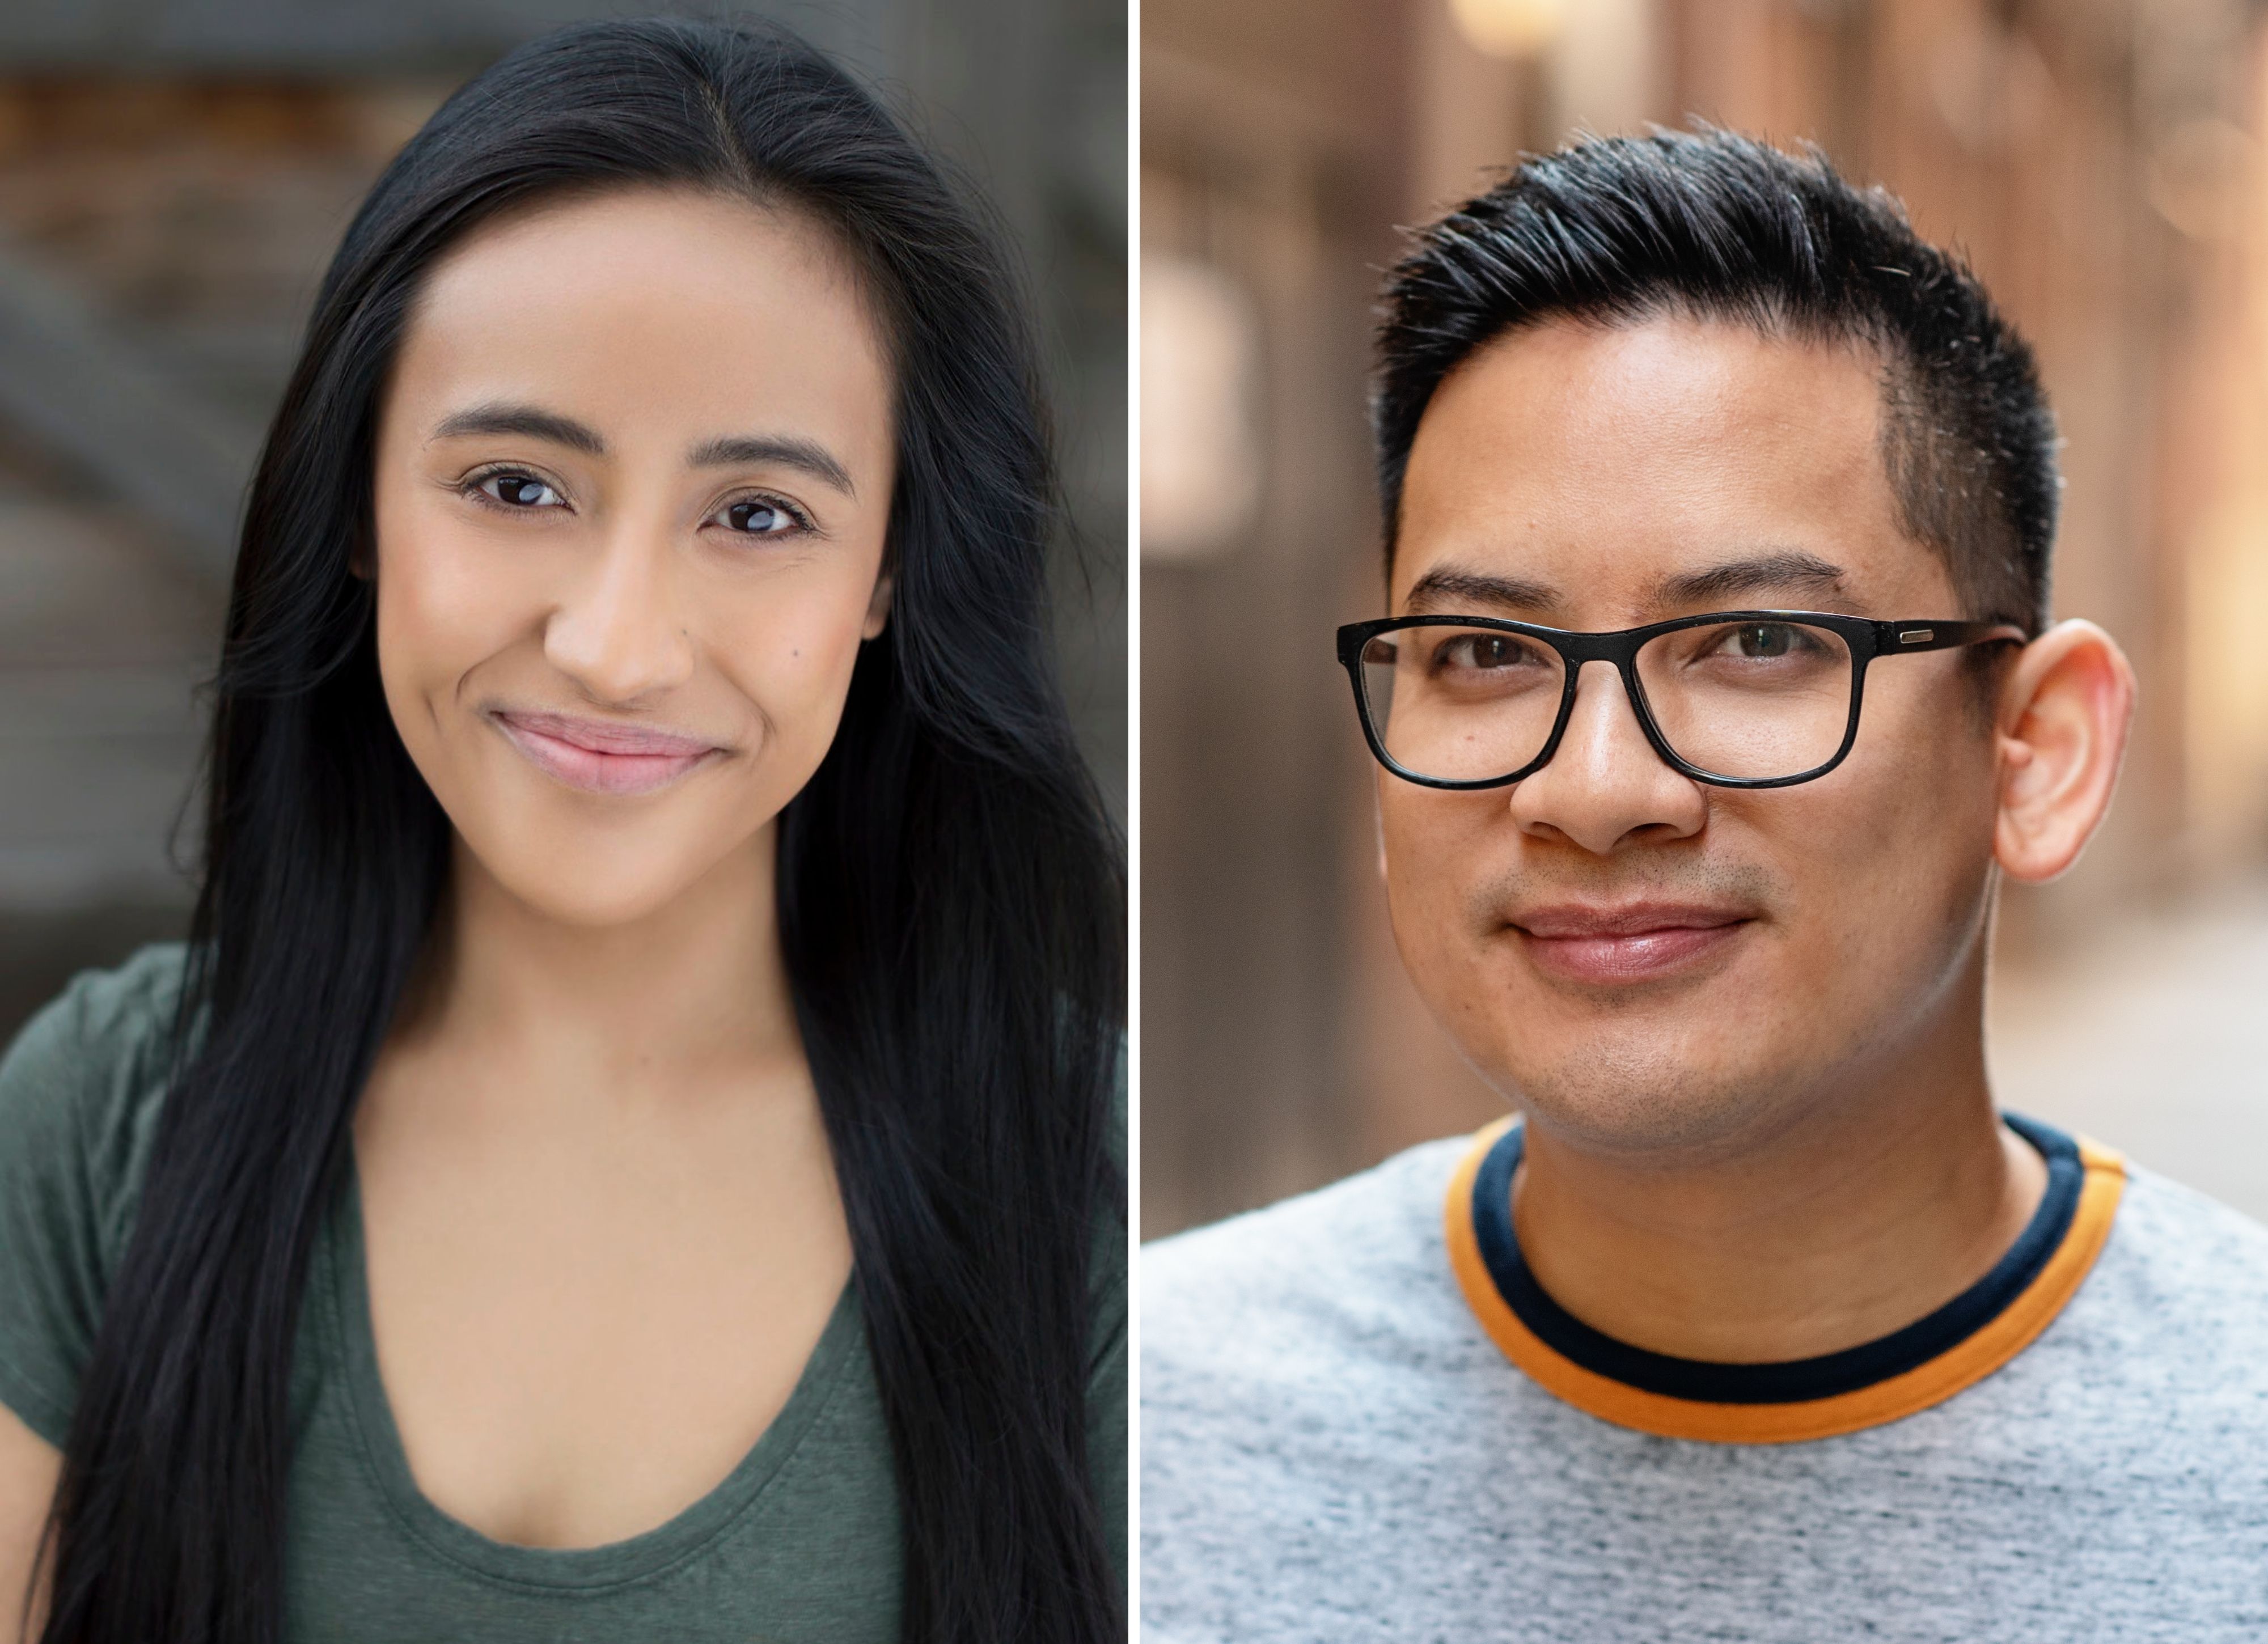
1969	1361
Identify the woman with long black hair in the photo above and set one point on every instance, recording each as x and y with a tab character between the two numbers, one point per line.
628	1149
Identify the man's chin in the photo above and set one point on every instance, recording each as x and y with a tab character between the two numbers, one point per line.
1636	1093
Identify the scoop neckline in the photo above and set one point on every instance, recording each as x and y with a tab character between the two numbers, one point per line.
354	1344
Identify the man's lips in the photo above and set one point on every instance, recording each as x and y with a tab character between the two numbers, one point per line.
1630	942
601	756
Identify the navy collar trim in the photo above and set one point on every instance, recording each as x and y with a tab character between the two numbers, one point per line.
1794	1380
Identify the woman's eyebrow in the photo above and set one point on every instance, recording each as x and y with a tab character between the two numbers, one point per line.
806	455
535	422
531	421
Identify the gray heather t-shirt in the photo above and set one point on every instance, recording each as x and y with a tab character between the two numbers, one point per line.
800	1542
1334	1446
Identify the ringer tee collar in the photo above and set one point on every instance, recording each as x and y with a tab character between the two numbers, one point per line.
1923	1364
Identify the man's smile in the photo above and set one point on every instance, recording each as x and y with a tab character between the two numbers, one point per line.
1610	942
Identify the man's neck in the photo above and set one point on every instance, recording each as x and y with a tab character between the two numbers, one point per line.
1870	1209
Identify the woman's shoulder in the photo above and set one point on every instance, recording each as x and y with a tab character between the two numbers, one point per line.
80	1088
94	1061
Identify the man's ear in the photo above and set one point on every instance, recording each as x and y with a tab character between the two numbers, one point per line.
2063	716
878	608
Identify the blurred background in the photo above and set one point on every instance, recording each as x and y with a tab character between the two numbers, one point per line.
174	175
2099	161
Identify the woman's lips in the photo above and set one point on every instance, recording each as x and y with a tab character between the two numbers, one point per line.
1623	944
598	757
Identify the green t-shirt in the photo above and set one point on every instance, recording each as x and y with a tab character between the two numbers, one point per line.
800	1542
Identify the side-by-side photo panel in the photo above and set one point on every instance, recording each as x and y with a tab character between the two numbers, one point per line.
1705	817
563	784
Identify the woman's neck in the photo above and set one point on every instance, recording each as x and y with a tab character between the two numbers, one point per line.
696	987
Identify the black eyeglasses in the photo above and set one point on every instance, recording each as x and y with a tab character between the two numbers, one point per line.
1740	698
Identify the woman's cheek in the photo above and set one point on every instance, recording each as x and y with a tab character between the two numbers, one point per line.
799	664
450	601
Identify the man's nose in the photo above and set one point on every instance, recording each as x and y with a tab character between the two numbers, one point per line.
1604	783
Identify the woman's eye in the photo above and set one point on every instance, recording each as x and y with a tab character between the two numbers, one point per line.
520	490
758	516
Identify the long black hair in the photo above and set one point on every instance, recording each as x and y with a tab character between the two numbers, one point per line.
952	892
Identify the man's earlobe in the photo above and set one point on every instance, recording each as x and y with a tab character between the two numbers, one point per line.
2063	717
878	608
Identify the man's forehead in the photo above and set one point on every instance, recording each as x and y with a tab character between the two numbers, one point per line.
1683	375
1677	459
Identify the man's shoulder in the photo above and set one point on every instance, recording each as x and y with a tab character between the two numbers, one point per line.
2186	1219
2175	1253
1362	1258
2168	1331
1377	1216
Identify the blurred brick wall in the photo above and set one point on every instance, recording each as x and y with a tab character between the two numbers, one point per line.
191	219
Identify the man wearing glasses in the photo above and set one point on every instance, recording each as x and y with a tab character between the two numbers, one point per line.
1718	691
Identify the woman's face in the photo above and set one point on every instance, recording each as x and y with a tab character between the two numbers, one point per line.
633	470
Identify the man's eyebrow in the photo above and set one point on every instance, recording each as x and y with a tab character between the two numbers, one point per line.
788	451
1448	588
1787	568
530	421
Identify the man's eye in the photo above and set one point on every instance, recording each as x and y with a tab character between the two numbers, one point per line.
1483	651
1762	638
520	490
759	517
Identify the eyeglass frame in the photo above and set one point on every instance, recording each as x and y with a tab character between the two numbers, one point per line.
1868	638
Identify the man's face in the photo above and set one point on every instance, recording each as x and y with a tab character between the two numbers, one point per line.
1642	960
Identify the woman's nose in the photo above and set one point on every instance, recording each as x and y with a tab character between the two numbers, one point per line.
621	632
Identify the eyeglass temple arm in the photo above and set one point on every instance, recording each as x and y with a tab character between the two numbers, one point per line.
1892	638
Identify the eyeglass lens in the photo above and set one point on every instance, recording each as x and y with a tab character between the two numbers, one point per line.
1751	700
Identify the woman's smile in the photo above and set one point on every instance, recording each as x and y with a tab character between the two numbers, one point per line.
602	756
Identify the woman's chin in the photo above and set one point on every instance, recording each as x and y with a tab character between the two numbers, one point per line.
594	884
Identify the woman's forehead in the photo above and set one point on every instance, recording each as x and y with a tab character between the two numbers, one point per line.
674	310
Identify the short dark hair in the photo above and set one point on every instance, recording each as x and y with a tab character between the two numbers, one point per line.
1719	226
